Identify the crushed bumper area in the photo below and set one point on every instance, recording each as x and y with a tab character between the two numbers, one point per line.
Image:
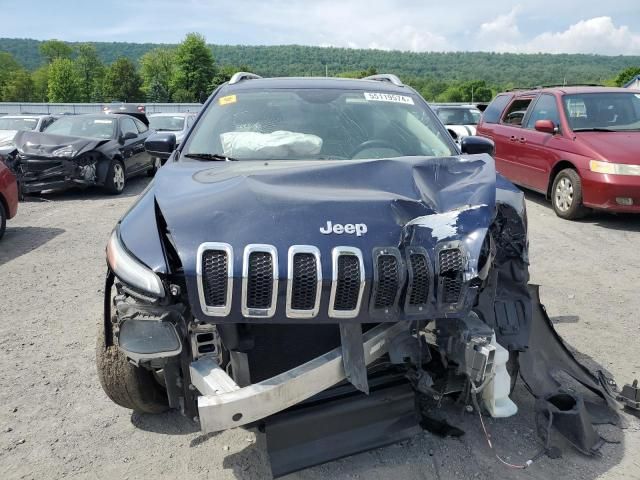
38	174
225	405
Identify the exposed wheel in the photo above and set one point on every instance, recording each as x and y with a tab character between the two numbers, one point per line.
126	385
157	163
566	195
115	178
3	219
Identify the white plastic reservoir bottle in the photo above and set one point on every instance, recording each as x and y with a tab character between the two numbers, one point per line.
495	395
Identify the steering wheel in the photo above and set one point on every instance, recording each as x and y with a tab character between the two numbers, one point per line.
374	143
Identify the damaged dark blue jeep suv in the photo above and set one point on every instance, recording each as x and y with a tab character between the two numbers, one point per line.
319	260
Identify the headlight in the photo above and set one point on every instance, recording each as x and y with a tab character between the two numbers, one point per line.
613	168
130	271
67	151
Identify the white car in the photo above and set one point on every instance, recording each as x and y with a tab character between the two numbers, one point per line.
176	123
11	124
460	120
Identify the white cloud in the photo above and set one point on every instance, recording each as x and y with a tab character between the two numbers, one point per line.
504	26
595	35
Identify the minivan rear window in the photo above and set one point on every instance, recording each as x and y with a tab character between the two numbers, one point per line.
495	108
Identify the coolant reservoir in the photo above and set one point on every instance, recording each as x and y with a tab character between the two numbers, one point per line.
495	395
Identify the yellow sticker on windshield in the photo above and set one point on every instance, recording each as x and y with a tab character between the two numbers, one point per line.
227	100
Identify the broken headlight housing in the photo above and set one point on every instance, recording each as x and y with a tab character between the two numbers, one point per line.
143	282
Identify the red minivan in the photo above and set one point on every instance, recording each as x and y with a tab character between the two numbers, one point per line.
580	146
8	196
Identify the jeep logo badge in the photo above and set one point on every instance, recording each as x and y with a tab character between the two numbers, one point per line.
349	228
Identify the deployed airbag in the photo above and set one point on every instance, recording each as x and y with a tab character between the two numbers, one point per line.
278	144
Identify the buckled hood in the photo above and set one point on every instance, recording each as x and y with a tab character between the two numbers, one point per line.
43	144
400	202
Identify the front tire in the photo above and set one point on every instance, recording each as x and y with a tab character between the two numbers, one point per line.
3	219
130	387
566	195
116	180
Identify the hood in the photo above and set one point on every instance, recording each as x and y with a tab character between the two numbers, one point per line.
616	147
6	135
360	203
43	144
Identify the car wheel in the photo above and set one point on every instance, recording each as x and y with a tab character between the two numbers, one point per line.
115	178
157	163
3	219
129	386
566	195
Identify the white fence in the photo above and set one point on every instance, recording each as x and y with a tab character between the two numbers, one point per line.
13	108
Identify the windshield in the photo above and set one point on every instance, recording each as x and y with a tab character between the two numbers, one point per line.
459	116
21	123
84	126
165	123
619	111
301	124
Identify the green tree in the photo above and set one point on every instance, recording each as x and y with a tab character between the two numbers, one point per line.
54	49
157	69
90	70
626	76
8	66
122	82
40	79
195	68
64	83
224	74
476	91
19	88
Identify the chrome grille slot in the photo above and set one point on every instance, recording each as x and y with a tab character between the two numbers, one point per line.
420	280
388	281
347	283
305	281
259	280
214	272
450	275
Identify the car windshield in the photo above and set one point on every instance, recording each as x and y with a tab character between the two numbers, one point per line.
18	123
618	111
167	123
84	126
302	124
459	116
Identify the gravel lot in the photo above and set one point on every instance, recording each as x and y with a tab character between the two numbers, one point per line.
55	421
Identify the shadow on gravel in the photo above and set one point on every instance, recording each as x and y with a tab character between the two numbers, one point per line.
614	221
18	241
134	187
168	423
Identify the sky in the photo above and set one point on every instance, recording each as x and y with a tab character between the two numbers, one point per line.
554	26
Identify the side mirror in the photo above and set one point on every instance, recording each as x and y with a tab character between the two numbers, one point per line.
160	145
474	145
129	136
546	126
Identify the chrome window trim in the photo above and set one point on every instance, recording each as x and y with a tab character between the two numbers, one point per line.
206	309
335	254
259	312
296	313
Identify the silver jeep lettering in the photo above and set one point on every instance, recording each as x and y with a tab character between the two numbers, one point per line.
349	228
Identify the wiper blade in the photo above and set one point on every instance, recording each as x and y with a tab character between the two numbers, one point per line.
595	129
211	156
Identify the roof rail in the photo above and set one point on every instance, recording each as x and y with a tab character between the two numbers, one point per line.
555	85
240	76
386	77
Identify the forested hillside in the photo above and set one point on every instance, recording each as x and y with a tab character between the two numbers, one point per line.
503	69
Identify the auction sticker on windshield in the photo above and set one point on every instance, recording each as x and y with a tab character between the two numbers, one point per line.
227	100
388	97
